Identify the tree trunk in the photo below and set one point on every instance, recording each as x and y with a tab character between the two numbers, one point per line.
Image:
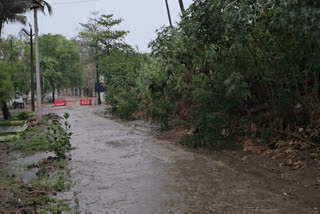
5	110
168	10
181	6
38	82
53	95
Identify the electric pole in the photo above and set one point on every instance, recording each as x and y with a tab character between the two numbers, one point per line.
181	6
31	66
39	106
98	81
169	15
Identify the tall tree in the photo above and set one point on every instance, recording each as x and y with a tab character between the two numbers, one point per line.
6	88
102	38
12	53
12	10
52	77
39	4
59	61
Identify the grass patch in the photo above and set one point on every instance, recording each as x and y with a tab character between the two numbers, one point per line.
45	203
22	115
53	182
60	184
7	180
39	200
31	197
33	141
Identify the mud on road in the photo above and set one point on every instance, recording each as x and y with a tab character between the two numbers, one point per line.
118	168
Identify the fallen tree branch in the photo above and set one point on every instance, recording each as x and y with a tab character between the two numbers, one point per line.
296	136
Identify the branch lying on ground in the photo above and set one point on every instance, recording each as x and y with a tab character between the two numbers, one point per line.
296	136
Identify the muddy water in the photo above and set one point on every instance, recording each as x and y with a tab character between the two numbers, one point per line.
117	168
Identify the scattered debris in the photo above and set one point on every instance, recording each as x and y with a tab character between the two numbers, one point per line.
53	116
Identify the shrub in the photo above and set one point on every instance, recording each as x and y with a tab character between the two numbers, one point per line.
59	136
127	104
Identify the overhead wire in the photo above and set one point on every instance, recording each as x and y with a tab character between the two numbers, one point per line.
57	3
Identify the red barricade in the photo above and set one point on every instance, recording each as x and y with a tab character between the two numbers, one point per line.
60	102
85	102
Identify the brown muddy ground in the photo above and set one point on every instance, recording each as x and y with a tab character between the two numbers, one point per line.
123	167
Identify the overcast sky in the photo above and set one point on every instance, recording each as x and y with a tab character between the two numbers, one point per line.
141	17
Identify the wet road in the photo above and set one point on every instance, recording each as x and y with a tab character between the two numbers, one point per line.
117	168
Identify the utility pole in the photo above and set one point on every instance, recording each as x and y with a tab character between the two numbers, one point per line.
97	72
168	10
98	81
39	106
181	6
31	66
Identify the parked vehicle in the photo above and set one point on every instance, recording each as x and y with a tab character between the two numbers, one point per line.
18	102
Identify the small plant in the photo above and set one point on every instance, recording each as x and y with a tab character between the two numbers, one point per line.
59	136
61	184
23	116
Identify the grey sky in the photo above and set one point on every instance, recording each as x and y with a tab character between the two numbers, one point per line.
141	17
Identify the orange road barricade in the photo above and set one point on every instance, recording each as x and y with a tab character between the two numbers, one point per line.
60	102
86	102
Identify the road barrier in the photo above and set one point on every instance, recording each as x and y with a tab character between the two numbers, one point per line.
86	102
60	102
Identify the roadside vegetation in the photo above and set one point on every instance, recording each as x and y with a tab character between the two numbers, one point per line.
229	72
50	175
33	141
33	196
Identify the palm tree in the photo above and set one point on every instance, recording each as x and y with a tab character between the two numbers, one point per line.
11	11
38	4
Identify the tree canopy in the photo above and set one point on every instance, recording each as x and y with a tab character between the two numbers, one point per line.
60	60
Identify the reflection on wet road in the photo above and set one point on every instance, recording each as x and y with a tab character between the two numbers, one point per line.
119	169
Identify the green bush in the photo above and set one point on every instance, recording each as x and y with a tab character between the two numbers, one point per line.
59	136
225	59
127	103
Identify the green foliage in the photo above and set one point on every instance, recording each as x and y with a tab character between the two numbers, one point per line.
59	64
59	136
7	180
100	35
226	58
119	70
53	78
61	184
127	104
6	86
98	39
12	50
23	115
32	146
32	142
60	61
